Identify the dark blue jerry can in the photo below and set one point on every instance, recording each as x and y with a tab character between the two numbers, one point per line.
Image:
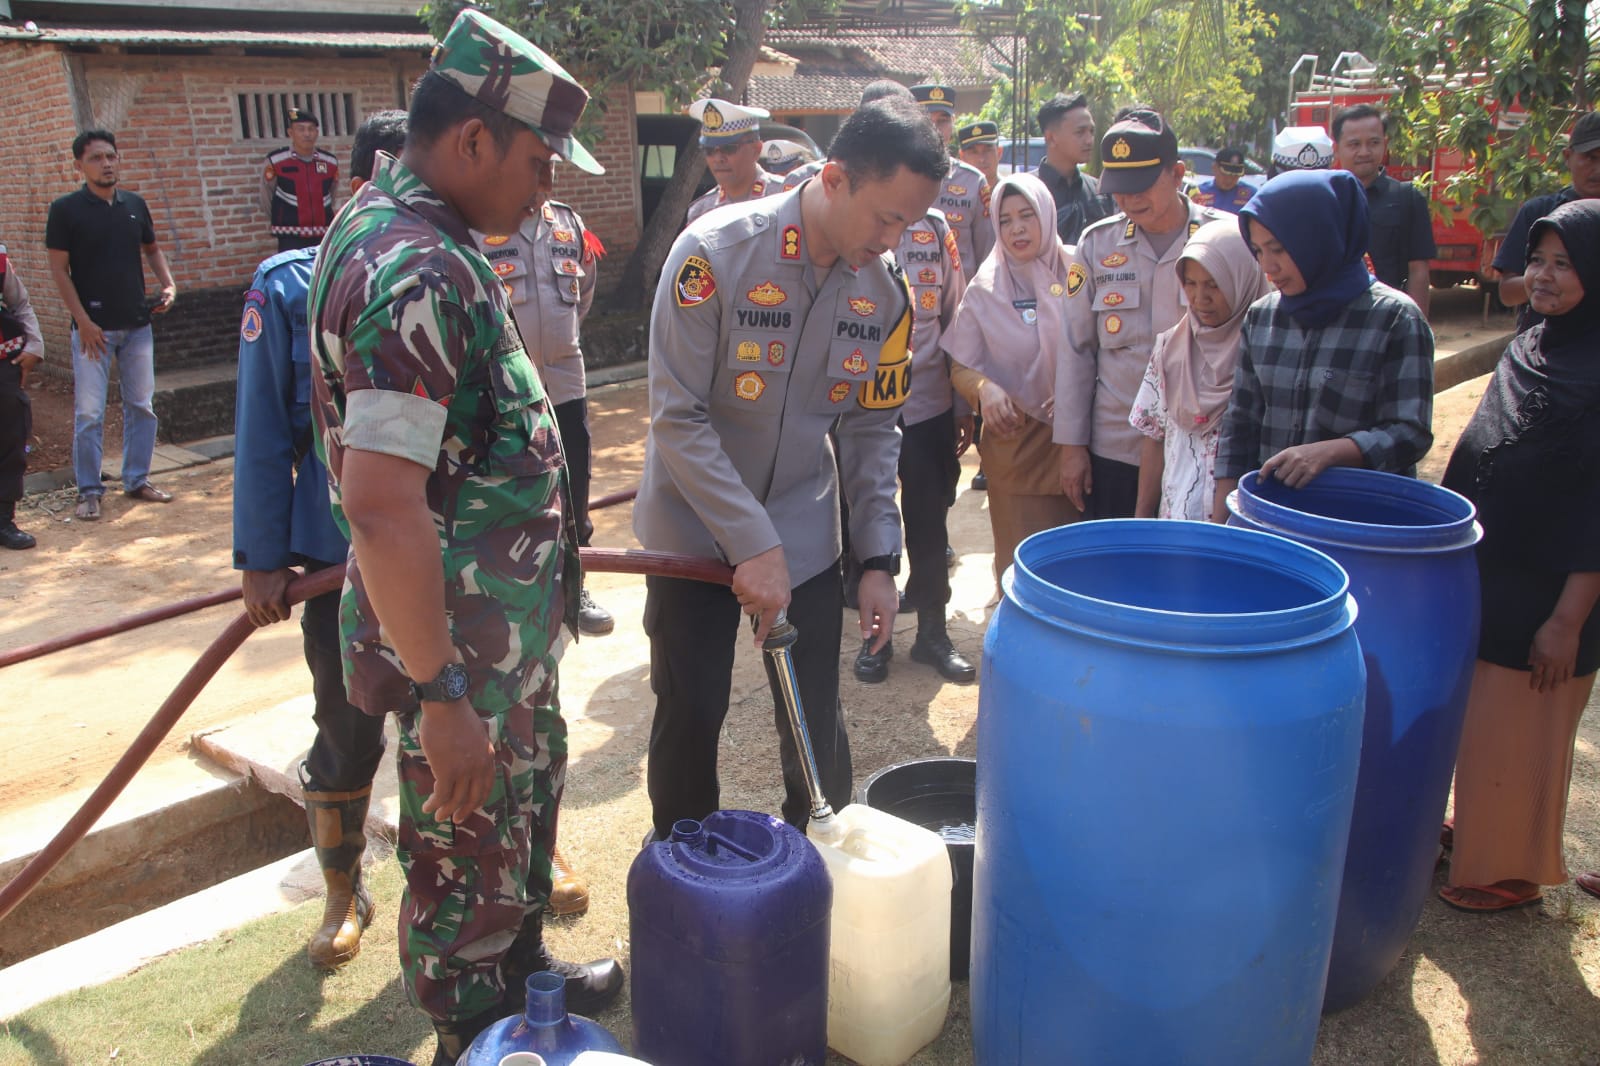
729	927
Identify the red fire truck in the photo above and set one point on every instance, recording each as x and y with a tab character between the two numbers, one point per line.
1315	97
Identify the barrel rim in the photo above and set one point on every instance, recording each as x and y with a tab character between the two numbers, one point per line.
1458	532
1221	633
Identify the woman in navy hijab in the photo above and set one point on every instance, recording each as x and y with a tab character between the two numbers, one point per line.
1335	368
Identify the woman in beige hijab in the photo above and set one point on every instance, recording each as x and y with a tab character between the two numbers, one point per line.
1189	381
1003	342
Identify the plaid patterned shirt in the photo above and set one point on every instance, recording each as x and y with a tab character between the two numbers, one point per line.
1368	375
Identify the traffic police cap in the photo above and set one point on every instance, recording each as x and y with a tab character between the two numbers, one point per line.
300	114
1134	152
935	97
780	156
978	133
723	122
1302	148
508	73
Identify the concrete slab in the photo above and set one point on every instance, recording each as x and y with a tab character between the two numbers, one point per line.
122	948
269	745
212	447
169	457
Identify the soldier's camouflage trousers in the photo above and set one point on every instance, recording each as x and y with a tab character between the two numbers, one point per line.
469	886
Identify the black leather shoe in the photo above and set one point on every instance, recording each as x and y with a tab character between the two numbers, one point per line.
593	619
591	986
14	538
936	651
874	668
980	482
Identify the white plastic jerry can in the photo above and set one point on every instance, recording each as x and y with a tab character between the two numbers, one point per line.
889	965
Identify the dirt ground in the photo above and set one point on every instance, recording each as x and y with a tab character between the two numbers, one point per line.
1514	989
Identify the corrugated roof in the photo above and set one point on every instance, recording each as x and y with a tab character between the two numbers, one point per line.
145	37
813	92
956	59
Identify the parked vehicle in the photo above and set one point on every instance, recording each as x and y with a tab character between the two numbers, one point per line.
660	139
1019	157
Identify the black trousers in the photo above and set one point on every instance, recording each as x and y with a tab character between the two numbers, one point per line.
349	743
693	626
1116	488
929	471
16	423
572	418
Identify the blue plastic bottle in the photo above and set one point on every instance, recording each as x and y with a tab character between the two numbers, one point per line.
729	927
544	1028
1169	731
1408	547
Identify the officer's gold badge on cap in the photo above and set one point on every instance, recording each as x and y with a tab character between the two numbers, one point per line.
722	120
1135	150
510	74
935	97
300	114
978	133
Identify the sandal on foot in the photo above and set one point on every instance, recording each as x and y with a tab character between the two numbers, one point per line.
1500	899
88	509
1589	882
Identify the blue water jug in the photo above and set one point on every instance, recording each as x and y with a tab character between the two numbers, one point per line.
729	928
1408	547
1169	729
544	1027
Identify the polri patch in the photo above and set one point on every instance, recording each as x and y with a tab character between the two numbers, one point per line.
695	283
1076	276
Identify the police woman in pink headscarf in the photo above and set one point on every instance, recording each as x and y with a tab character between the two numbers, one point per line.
1003	341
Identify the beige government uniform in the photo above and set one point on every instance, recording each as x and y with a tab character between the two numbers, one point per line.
549	276
764	185
1120	295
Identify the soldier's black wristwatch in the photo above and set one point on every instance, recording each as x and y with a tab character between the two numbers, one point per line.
449	686
889	564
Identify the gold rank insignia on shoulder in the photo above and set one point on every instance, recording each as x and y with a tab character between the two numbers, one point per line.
1076	276
695	283
1128	230
791	242
549	213
1194	224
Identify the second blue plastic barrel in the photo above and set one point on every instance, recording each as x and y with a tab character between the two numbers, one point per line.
1408	547
729	928
1169	727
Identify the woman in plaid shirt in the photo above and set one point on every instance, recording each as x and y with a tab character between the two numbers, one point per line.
1335	368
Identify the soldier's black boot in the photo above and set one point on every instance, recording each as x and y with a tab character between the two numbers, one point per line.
933	647
338	823
591	986
456	1037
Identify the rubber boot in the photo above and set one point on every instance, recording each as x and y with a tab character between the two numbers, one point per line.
456	1037
591	986
338	823
569	892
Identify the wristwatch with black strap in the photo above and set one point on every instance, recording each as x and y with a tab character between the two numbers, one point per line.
450	685
889	564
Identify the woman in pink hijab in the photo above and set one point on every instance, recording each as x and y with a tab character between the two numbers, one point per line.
1189	381
1003	342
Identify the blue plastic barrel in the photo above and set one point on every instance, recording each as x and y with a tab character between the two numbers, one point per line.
1408	548
1169	727
729	928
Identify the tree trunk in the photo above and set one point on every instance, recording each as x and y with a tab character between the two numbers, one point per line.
639	275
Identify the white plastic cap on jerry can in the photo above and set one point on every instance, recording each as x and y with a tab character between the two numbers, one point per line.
606	1058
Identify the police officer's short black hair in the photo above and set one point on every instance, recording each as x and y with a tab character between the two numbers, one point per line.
384	131
1355	113
80	143
882	89
1056	108
438	105
876	140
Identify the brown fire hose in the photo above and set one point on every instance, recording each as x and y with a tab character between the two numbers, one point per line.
595	560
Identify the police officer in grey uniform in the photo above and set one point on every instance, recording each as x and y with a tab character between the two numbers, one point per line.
772	326
730	137
1122	290
964	199
549	270
929	465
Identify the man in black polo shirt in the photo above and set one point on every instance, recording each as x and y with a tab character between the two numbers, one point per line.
1582	157
1068	128
95	237
1402	232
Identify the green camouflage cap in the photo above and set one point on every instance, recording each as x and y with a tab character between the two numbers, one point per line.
507	72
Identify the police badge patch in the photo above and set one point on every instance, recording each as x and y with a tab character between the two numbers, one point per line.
1076	276
695	283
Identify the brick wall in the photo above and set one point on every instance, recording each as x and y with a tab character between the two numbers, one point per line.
609	203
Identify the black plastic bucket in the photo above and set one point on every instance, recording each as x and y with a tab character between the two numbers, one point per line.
938	794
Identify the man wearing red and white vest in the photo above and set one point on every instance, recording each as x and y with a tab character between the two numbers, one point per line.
297	185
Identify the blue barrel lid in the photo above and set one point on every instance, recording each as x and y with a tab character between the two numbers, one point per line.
1181	585
1351	507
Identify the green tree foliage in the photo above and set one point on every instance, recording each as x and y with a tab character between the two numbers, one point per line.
1324	30
1466	69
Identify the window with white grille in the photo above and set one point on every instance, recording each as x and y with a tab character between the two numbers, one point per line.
264	116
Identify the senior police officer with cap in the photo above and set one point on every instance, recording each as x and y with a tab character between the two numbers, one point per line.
297	186
964	198
730	137
1122	291
1226	190
979	144
775	322
447	473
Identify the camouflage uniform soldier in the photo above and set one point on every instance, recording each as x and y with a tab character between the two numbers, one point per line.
447	474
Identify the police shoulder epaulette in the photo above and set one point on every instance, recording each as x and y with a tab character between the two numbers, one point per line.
1105	223
738	223
280	153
